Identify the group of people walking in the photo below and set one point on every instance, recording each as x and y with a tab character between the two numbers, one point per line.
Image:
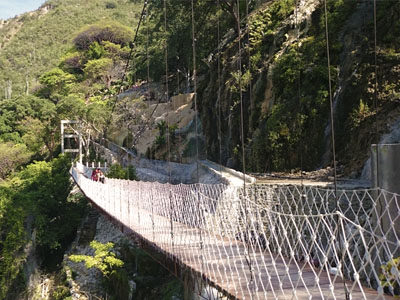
98	175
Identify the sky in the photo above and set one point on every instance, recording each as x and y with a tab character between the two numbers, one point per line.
10	8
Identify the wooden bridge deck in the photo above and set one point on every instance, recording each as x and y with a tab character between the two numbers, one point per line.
285	279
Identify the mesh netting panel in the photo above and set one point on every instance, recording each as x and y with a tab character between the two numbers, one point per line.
289	242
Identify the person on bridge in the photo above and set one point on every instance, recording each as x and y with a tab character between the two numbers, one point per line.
94	175
101	176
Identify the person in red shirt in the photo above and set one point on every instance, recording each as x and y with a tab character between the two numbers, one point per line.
94	175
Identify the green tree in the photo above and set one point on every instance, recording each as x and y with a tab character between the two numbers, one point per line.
72	107
56	82
117	171
38	200
12	156
104	259
111	32
95	51
30	120
100	69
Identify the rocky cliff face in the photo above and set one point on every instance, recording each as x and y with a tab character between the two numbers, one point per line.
285	85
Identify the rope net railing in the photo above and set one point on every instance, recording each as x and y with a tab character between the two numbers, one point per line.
267	242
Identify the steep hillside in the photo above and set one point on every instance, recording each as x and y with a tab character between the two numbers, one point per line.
285	85
34	42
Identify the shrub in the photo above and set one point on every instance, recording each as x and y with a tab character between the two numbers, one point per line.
160	141
389	277
111	5
104	258
72	62
117	171
111	32
361	113
60	293
12	156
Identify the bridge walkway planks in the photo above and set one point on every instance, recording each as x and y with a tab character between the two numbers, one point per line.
222	263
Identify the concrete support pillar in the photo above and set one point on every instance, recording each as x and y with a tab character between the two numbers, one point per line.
385	174
385	167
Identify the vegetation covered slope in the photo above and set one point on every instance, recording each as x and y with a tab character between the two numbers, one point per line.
285	85
33	43
37	218
73	78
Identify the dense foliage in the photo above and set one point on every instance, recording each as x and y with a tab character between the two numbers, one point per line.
104	258
35	202
117	171
176	38
79	88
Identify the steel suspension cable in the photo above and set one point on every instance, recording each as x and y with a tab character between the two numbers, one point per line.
249	58
195	94
346	290
241	94
219	91
140	131
166	88
376	100
248	257
330	98
171	207
147	54
381	204
125	69
299	91
197	135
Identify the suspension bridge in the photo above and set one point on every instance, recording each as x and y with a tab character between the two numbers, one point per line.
260	241
265	242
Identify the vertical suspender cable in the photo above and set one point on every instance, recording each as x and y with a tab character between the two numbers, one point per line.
195	93
199	207
147	55
249	62
376	100
298	95
127	151
347	295
241	95
248	257
166	88
330	100
125	69
219	91
376	117
167	131
248	53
